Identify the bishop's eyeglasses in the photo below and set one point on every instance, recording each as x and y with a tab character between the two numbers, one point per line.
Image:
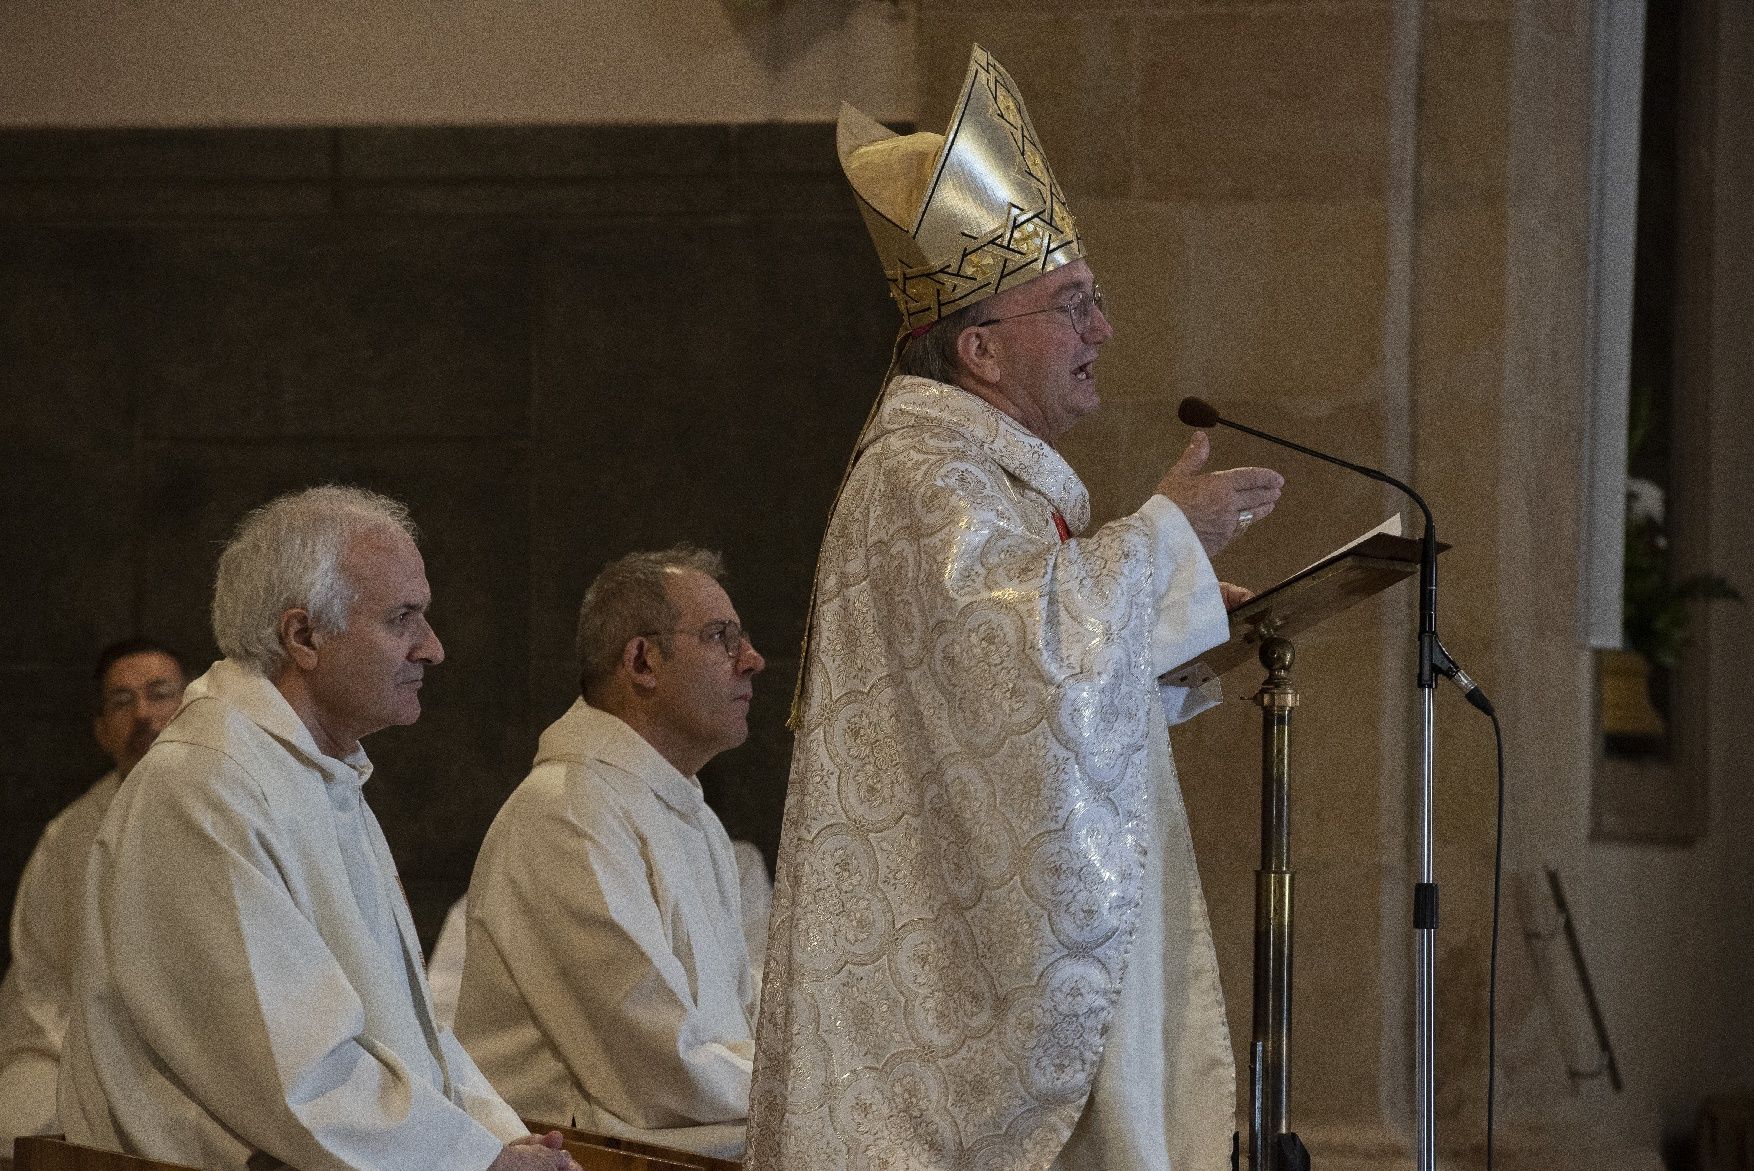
1081	310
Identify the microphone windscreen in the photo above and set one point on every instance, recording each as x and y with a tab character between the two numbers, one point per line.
1197	412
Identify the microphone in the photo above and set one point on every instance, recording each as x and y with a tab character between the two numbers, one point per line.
1197	412
1433	659
1433	662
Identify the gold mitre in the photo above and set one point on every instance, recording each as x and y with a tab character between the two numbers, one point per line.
960	215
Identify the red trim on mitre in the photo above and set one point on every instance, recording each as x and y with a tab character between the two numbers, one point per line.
1060	524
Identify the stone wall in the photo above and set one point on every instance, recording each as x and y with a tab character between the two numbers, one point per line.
1367	226
451	62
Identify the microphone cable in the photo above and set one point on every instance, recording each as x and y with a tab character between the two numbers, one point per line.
1492	971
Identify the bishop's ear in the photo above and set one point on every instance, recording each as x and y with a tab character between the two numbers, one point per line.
977	352
298	638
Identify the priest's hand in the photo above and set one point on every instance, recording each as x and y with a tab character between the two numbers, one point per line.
535	1152
1214	502
1234	595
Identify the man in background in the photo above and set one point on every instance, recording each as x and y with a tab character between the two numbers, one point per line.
606	981
249	990
139	687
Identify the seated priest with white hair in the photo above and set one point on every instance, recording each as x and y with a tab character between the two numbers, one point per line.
249	991
606	982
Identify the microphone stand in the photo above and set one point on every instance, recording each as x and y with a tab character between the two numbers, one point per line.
1433	661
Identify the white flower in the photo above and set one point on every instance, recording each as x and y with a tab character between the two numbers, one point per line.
1644	502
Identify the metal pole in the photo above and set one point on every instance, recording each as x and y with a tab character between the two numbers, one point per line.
1270	1055
1425	931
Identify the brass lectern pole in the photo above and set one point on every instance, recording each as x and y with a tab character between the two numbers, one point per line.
1272	1145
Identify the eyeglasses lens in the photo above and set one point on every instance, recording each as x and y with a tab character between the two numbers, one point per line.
729	636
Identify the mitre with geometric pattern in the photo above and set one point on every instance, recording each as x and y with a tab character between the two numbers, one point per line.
958	216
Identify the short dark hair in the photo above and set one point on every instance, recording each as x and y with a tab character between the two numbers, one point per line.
628	599
122	648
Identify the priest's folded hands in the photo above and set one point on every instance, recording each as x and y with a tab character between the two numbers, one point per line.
536	1152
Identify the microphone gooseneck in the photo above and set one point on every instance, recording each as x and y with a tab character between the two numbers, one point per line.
1433	659
1197	412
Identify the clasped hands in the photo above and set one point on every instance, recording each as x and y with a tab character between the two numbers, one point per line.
535	1152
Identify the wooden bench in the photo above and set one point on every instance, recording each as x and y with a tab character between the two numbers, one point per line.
593	1152
49	1153
607	1152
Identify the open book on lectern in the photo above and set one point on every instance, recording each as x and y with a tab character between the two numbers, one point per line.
1339	581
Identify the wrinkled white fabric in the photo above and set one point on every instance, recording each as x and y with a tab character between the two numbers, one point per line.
33	996
755	888
249	987
606	983
444	971
983	823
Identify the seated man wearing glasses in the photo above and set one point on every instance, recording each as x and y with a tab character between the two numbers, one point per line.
606	983
140	685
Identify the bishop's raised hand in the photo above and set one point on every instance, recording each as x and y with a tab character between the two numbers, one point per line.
1214	502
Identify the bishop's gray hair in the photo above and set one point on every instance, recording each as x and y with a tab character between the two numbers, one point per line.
933	354
286	555
628	599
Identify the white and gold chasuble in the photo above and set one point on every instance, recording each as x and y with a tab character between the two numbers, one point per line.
983	826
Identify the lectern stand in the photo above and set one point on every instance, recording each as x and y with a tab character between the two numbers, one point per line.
1268	622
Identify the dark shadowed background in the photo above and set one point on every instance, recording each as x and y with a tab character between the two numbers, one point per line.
554	344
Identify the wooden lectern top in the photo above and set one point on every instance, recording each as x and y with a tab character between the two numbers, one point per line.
1312	596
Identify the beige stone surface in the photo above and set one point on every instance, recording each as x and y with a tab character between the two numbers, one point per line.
1255	303
1288	102
1252	262
1457	413
1464	109
398	62
1077	72
1251	267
